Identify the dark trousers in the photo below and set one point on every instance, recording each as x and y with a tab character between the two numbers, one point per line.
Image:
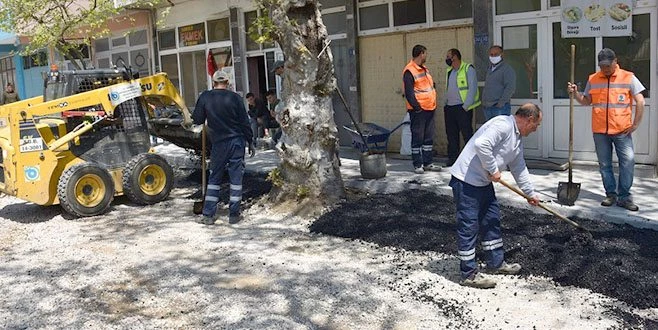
228	153
457	121
477	212
422	137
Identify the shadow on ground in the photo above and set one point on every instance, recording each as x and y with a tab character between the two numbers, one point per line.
617	261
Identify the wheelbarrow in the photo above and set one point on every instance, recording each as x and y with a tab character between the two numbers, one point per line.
372	141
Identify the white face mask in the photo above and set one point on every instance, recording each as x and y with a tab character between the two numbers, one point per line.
495	59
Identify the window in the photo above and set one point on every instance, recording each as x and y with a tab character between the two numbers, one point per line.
522	57
167	39
103	63
271	77
139	61
513	6
121	59
374	17
7	70
555	3
634	52
170	66
408	12
218	30
326	4
118	42
129	49
585	62
444	10
249	20
138	38
102	45
335	22
35	60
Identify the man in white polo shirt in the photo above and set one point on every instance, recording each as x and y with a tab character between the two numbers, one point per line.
494	146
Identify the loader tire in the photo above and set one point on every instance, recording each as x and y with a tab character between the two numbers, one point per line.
85	190
147	179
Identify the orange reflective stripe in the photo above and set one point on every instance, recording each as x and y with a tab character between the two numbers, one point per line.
612	101
423	86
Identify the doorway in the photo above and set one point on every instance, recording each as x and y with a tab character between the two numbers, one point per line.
541	58
522	51
256	76
194	75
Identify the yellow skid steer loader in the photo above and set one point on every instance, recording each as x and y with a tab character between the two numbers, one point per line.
88	139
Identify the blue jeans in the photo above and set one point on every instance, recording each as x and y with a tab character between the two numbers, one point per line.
623	144
490	112
477	212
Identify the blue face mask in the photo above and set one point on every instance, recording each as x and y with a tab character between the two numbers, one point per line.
495	59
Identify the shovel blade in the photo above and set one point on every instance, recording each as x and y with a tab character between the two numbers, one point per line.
198	207
567	192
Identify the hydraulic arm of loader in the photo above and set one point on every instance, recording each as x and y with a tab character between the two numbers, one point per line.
109	97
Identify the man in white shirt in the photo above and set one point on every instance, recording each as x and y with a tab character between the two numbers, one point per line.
494	146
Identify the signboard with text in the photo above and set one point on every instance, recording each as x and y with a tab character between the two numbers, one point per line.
592	18
191	35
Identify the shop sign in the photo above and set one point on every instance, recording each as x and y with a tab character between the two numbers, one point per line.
592	18
191	35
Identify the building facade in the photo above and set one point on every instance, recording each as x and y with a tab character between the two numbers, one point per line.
371	41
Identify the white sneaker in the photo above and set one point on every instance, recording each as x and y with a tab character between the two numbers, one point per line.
419	170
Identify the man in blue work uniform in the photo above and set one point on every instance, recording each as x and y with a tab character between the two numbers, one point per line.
229	132
494	146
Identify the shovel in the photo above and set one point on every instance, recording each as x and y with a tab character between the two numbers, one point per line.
358	130
549	210
198	205
567	192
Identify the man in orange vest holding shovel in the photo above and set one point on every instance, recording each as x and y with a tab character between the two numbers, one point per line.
611	92
420	94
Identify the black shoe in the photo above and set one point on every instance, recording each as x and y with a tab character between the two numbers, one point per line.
609	200
205	220
233	219
628	204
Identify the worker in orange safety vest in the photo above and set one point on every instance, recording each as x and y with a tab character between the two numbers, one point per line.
420	95
611	93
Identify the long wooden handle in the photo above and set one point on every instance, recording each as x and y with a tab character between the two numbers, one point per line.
555	213
573	69
203	161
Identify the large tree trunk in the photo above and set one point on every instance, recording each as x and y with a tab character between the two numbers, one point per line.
309	164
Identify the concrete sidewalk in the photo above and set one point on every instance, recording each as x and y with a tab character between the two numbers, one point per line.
400	177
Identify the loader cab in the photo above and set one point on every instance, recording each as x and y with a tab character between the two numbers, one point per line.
117	138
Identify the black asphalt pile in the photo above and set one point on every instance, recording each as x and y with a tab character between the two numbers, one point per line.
253	185
617	261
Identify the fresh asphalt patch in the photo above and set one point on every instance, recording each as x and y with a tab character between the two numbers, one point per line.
618	261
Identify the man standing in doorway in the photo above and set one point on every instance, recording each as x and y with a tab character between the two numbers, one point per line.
499	85
611	92
256	108
462	96
494	146
420	93
229	131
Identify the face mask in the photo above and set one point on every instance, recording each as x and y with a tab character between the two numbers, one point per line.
495	59
448	61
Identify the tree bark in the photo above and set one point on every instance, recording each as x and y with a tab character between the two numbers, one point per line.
309	163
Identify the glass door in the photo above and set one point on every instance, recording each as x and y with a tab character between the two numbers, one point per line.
634	53
194	75
522	51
